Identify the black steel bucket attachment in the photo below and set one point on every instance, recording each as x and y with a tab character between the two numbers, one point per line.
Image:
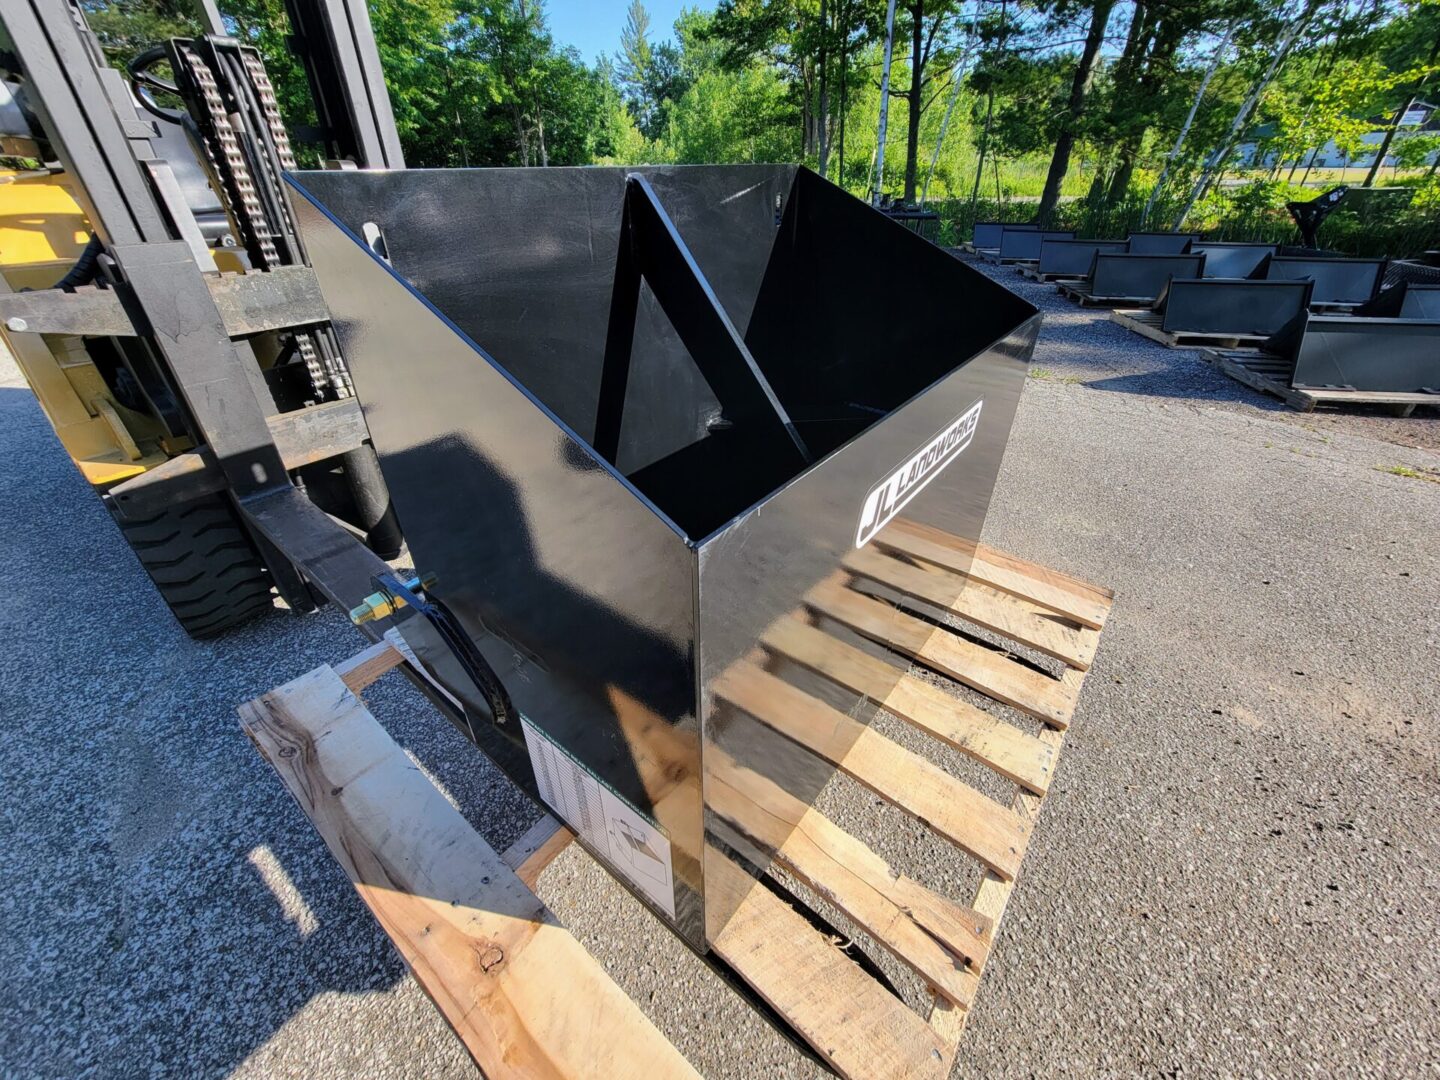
1231	260
1139	277
1023	245
1161	243
1337	281
630	419
1386	355
1231	305
1407	300
1073	258
987	233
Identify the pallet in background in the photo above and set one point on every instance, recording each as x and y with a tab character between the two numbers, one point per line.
527	999
1079	291
1031	272
992	256
1148	324
1270	374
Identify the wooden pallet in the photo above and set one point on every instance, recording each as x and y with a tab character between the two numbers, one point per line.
526	998
1148	324
992	256
1031	272
1270	374
1079	291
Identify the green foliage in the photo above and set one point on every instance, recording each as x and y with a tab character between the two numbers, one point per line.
483	82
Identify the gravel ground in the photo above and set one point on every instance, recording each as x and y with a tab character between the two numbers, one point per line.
1235	872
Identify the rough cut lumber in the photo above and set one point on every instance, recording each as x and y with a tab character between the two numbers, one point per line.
534	851
853	1022
941	941
523	995
1086	604
1000	612
1003	747
365	667
900	776
988	671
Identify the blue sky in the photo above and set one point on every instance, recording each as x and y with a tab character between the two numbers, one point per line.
593	26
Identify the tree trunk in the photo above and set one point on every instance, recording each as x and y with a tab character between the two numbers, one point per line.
1222	151
1189	120
1079	91
959	81
984	145
1399	116
1384	150
824	92
884	103
917	78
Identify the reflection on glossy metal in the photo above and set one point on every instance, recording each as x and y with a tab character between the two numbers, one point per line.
608	595
1161	243
1407	300
1140	277
987	233
1074	258
1231	305
1024	244
1231	260
1329	351
1337	281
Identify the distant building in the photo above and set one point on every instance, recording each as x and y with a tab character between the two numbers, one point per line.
1421	118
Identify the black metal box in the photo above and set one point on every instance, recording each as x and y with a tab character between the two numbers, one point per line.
629	418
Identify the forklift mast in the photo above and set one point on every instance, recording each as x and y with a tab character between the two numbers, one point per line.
246	362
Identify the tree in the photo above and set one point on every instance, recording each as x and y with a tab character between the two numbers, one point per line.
928	23
1281	50
1075	108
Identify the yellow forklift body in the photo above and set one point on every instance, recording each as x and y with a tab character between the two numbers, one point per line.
42	233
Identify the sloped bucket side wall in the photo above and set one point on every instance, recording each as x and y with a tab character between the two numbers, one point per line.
578	593
895	325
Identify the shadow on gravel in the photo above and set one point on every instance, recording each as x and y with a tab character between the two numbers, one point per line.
1176	382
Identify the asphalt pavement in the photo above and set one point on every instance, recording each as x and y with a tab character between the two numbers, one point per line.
1234	874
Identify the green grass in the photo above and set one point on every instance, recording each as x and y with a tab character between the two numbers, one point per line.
1430	475
1050	376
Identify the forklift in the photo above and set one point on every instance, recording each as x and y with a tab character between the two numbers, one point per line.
155	294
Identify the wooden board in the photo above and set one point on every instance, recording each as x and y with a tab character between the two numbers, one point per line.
1271	375
1148	324
528	1000
1079	291
1032	273
1004	613
1052	590
522	994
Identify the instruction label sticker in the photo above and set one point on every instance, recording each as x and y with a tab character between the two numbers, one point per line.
633	844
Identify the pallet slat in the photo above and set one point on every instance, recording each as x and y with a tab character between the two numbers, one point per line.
1012	753
853	1022
1005	614
1150	324
1046	588
993	895
986	670
973	822
943	943
521	993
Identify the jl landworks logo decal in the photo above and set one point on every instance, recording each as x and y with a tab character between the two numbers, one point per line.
888	497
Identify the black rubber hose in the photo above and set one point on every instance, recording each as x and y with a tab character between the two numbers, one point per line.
85	268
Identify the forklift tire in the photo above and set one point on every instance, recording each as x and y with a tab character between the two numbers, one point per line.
204	563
